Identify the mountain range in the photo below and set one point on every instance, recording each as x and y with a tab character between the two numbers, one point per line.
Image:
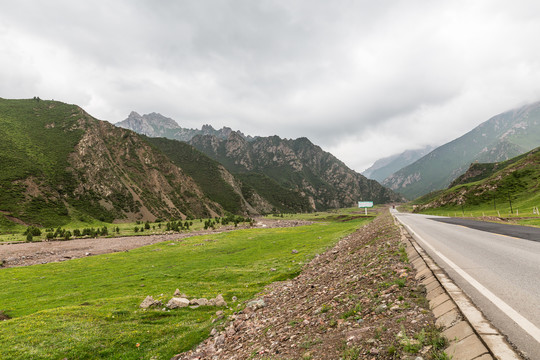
157	125
308	177
59	164
500	138
298	165
385	167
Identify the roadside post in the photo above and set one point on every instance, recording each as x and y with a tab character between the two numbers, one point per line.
365	205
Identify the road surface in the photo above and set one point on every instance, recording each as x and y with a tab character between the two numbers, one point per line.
500	273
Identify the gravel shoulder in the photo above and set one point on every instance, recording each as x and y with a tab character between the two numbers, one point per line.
358	300
33	253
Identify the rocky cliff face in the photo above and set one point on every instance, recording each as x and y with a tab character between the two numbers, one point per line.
128	178
296	164
157	125
72	166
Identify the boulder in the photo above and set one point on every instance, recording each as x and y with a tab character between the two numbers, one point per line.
150	302
220	301
199	302
177	302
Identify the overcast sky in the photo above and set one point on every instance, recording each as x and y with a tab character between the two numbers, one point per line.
362	79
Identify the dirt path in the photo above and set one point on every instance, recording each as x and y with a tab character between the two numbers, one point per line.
25	254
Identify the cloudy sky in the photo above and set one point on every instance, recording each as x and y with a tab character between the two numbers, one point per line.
362	79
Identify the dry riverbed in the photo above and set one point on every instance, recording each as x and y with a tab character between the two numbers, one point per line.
32	253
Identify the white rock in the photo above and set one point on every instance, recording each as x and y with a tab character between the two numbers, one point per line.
220	301
177	302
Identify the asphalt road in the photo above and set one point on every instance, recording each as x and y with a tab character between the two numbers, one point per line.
505	271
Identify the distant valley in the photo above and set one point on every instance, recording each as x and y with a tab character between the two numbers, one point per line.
500	138
385	167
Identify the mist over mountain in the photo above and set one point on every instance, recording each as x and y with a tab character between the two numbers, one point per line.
385	167
500	138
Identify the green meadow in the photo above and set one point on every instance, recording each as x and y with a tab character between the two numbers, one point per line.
522	209
89	308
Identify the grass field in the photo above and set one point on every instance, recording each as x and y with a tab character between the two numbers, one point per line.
522	211
88	308
16	234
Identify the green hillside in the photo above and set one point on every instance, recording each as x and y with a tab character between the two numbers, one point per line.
508	188
36	138
60	165
282	199
500	138
205	171
296	165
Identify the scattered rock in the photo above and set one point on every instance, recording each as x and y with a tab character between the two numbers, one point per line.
177	302
234	298
150	302
294	251
256	304
199	302
220	301
337	300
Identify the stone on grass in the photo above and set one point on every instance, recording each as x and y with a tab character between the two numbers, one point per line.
150	302
177	302
199	302
220	301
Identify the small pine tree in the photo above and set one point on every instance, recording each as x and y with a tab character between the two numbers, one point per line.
29	237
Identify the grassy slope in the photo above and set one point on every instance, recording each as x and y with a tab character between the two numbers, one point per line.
88	308
25	150
204	170
283	199
517	179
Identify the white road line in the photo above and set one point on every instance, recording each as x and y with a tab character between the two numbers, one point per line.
525	324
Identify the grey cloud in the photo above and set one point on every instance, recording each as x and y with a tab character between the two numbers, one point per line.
339	72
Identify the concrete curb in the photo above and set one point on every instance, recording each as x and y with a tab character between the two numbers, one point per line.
470	334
